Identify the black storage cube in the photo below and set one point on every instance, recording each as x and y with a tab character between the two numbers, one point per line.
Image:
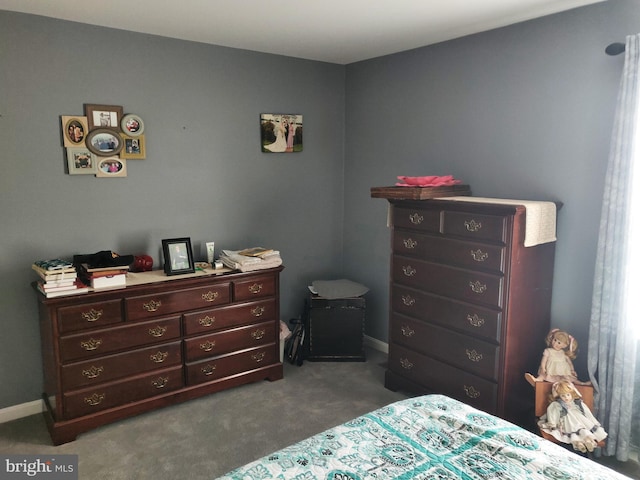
335	329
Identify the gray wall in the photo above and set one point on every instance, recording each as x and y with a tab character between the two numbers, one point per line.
204	176
520	112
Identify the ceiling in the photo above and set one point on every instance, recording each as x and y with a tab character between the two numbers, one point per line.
335	31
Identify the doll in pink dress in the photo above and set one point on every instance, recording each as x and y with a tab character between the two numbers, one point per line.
556	363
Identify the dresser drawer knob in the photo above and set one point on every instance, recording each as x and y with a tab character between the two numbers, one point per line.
208	369
410	243
207	321
158	357
210	296
258	311
258	334
157	331
91	344
416	218
408	300
407	331
479	255
160	382
409	271
472	225
471	392
406	364
207	346
258	357
93	372
95	399
473	355
255	288
475	320
152	305
92	315
477	287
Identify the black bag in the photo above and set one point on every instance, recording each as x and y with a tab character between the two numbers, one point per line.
294	348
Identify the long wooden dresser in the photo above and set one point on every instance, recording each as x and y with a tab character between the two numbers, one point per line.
469	303
113	354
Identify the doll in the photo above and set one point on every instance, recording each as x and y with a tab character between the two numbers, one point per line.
556	363
569	420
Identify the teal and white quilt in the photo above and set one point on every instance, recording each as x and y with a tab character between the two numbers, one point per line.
425	438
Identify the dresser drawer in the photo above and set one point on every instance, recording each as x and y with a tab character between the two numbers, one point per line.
100	342
476	256
111	367
416	219
229	341
217	319
224	366
89	315
467	353
180	300
471	319
475	287
91	400
254	288
473	225
439	377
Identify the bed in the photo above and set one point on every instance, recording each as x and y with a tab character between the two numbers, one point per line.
428	437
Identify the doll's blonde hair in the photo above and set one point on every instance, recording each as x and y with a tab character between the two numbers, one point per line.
572	345
562	387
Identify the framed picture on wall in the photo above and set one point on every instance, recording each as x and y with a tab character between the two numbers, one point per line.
103	116
133	148
81	161
281	132
178	257
132	125
111	167
74	130
104	142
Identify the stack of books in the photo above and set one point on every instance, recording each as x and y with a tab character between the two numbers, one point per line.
103	277
58	278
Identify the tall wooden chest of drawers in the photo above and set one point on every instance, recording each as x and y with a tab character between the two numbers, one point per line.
469	304
112	354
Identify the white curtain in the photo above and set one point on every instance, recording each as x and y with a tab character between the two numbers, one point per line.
612	338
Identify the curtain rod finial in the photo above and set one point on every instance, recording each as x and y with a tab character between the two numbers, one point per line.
615	49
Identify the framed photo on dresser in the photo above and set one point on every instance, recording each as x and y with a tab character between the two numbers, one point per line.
178	256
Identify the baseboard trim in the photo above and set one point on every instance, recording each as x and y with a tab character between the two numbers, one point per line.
376	344
19	411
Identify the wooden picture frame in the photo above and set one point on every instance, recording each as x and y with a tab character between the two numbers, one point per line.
81	161
74	130
104	142
134	147
178	256
111	167
103	116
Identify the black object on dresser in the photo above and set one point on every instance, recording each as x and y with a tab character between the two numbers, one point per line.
469	303
113	354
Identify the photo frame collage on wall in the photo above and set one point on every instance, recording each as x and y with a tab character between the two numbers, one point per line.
100	142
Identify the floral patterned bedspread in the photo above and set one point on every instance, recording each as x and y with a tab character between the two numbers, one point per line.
429	437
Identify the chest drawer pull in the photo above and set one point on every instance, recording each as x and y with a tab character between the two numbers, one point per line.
93	372
407	331
207	321
472	225
152	305
92	315
91	344
255	288
208	369
95	399
406	364
409	271
473	355
477	287
157	331
416	218
408	300
158	357
475	320
410	243
258	334
257	311
207	346
210	296
160	382
479	255
471	392
258	357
